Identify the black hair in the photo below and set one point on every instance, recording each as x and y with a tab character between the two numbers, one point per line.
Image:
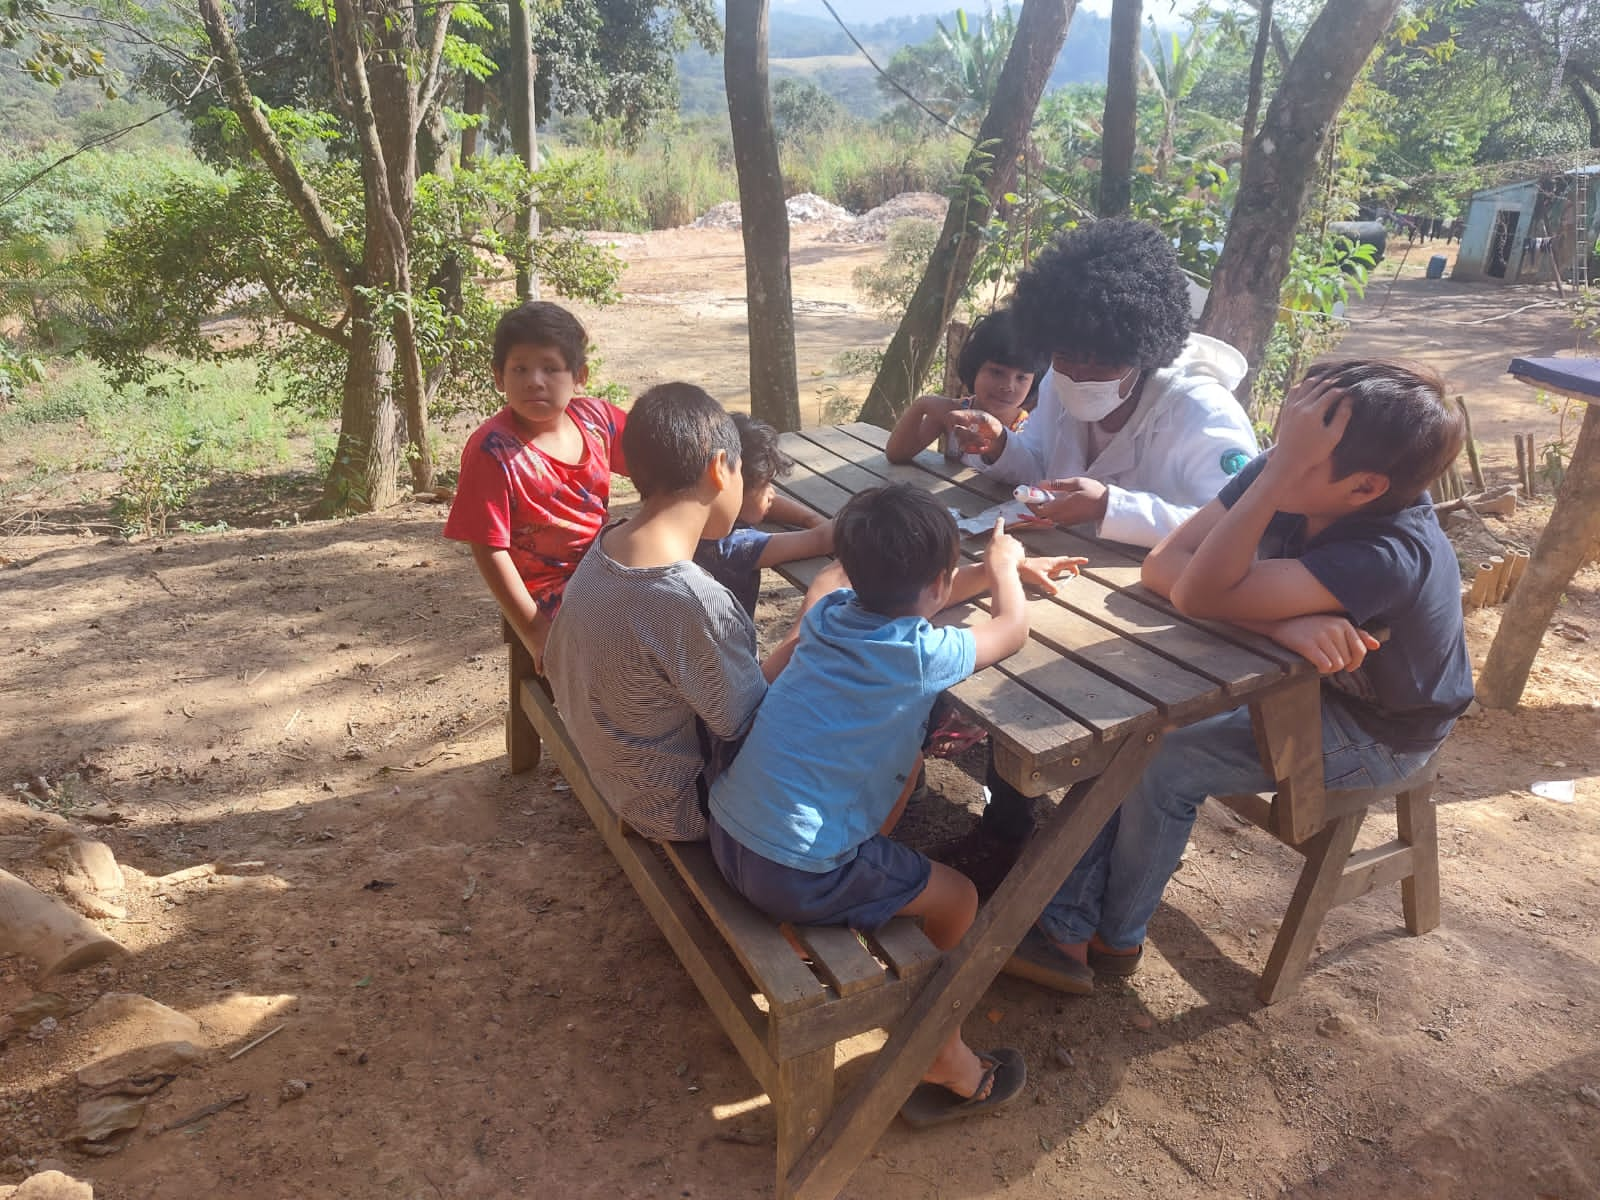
1109	293
995	338
760	460
540	323
1401	426
673	432
893	542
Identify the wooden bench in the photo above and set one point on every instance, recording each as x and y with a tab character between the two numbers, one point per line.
1336	873
783	1014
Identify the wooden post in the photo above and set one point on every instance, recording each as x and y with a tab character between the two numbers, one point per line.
1522	464
42	928
1471	446
955	338
1573	526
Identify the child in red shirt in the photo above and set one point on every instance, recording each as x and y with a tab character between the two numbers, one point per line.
536	476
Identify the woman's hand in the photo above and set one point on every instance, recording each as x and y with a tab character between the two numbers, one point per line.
1076	501
977	431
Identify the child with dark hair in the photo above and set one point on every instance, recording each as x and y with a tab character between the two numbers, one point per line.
1000	377
653	663
799	822
1327	534
735	561
536	476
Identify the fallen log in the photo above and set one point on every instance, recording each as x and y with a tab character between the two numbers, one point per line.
46	930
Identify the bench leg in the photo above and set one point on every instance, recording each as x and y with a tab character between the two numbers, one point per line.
1419	891
804	1098
522	742
1315	893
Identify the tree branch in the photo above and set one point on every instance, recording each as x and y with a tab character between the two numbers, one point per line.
433	76
334	333
271	151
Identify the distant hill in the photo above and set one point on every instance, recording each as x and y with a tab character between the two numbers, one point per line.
804	46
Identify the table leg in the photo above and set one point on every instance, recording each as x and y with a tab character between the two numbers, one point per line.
857	1123
522	742
1288	728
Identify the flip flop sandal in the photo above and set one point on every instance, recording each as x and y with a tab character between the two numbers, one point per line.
1005	1074
1038	961
1120	965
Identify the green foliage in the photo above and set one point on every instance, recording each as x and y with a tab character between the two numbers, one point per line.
955	72
889	285
47	46
800	107
157	479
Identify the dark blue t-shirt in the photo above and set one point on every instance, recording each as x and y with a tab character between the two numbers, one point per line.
1396	570
735	563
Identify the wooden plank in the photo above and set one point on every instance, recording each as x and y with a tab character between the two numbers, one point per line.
827	464
1315	894
1256	809
812	490
1419	895
755	941
802	1097
838	955
1092	701
936	463
902	944
840	1018
1120	659
1374	868
522	741
1288	728
963	976
703	954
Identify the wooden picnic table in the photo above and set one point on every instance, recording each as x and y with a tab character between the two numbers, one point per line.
1108	667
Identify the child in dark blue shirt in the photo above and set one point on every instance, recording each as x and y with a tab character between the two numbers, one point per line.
1329	532
735	561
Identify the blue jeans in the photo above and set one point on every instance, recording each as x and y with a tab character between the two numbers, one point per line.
1116	887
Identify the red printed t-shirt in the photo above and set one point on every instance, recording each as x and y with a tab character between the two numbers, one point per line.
514	496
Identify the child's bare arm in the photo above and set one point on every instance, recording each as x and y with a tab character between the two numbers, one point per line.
1007	627
1037	572
830	579
1171	555
1327	641
803	543
1223	578
791	512
917	427
511	594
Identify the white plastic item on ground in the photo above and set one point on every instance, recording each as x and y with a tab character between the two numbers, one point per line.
1563	791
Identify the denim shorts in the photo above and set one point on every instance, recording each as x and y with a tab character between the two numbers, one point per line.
864	893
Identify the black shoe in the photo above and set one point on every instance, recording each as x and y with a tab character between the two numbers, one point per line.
981	856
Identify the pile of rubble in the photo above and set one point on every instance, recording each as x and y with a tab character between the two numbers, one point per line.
873	226
805	209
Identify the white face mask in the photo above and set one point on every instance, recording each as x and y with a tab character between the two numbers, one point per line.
1092	400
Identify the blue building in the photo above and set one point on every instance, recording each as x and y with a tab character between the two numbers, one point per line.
1522	232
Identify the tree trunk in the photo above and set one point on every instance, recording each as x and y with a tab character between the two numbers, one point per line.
471	106
1574	526
1258	71
1279	170
990	170
520	105
366	463
774	385
1122	109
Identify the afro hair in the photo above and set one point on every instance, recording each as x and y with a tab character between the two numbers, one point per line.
1109	293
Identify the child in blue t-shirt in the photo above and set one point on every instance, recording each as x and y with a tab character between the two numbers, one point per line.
1327	534
735	561
799	821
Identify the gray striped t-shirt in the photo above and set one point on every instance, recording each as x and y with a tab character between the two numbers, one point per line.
645	661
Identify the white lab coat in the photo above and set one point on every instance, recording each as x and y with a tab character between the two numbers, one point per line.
1186	438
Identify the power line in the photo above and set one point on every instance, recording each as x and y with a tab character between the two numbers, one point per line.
893	82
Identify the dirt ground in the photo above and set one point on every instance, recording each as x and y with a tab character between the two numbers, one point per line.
480	1006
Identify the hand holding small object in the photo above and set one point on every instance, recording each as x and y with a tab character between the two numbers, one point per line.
1041	573
1073	501
1026	493
977	431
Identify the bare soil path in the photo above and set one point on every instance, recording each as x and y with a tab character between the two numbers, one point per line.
481	1009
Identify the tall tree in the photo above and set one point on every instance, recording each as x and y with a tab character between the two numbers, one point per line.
1122	109
520	105
1279	170
989	173
387	62
774	383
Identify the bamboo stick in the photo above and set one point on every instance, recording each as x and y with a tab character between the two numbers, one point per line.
1522	464
1471	446
1519	563
1481	583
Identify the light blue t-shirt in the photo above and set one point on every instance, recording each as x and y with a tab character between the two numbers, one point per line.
832	741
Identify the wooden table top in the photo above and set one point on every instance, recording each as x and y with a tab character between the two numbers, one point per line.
1105	659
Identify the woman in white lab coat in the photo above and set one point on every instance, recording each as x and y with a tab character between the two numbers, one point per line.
1136	428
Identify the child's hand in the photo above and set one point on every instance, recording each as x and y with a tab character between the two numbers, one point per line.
1041	573
1005	554
1328	642
1074	501
977	431
1313	419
